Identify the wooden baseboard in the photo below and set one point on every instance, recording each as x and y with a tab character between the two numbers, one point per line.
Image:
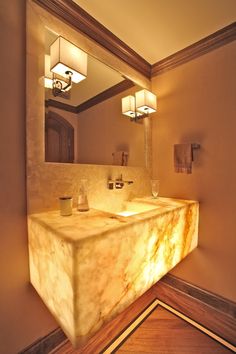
46	344
210	310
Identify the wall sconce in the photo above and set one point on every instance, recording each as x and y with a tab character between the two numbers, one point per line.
68	64
139	106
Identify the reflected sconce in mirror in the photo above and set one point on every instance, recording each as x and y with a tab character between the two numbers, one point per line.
68	64
139	106
48	79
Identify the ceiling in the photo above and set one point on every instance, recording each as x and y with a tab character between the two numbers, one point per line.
156	29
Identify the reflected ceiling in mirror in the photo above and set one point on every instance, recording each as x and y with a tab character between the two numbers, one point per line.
85	124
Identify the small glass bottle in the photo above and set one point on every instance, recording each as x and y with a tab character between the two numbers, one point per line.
82	197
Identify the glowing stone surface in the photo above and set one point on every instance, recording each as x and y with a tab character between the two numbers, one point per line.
90	266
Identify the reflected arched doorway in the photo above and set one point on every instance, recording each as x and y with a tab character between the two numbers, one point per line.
59	139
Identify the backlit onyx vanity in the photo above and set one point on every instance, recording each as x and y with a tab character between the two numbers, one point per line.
90	266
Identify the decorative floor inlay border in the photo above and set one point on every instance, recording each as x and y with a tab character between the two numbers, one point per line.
135	324
198	326
117	342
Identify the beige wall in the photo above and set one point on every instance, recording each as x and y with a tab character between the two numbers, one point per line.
103	130
23	317
197	103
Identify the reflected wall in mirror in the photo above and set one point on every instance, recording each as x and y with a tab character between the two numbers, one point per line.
85	125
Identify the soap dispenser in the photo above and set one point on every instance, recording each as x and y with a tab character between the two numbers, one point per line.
82	197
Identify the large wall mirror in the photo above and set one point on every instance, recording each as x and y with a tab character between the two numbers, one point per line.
86	125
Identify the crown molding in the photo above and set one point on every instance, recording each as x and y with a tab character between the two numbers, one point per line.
112	91
205	45
78	18
72	14
60	105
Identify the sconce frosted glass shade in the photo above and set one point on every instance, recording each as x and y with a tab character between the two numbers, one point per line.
65	56
128	106
146	101
48	82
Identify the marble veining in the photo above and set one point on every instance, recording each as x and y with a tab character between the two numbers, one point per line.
90	266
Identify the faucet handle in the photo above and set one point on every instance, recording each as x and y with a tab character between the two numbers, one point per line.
110	184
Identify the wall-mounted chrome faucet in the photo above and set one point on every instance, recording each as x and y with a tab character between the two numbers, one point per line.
118	183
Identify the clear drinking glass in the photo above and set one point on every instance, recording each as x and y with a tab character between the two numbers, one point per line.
155	184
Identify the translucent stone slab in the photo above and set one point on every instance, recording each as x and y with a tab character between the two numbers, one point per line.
90	266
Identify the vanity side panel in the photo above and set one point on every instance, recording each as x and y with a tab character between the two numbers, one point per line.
51	273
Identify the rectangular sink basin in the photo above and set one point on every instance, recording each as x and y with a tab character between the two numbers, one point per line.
133	208
92	265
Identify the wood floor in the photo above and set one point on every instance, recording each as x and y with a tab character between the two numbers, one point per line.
161	332
165	333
